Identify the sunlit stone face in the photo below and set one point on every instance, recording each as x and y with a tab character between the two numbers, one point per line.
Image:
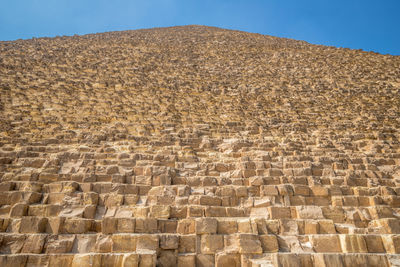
197	146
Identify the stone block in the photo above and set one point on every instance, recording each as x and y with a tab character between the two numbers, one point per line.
249	243
353	244
103	244
210	243
227	260
130	260
169	241
33	225
146	225
123	243
59	244
109	225
391	243
186	260
186	226
34	244
160	211
187	244
269	243
167	258
126	225
205	260
326	243
280	212
206	226
326	227
147	242
227	227
374	244
247	226
309	212
84	243
77	225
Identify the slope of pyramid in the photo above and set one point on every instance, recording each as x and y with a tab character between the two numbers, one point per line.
197	146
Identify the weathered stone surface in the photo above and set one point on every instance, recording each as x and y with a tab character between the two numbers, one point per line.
326	243
197	146
206	226
227	260
210	244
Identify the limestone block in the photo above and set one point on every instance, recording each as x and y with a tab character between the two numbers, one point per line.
273	226
4	222
326	243
326	227
14	260
160	211
123	243
249	243
289	227
33	224
167	258
206	226
374	244
205	260
19	210
353	244
320	191
126	225
60	260
289	244
268	190
103	244
210	200
262	212
167	226
86	260
84	243
309	212
269	243
148	259
247	226
129	260
59	244
391	225
147	242
279	212
186	260
210	243
169	241
76	225
195	211
391	243
311	227
186	226
227	227
187	244
179	212
215	211
227	260
231	244
34	244
146	225
12	244
109	225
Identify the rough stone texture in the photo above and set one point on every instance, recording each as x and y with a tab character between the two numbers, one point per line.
197	146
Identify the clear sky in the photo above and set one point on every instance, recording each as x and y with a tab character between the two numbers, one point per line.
371	25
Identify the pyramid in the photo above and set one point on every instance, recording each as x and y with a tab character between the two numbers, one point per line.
197	146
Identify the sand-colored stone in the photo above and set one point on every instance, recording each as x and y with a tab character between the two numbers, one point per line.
197	146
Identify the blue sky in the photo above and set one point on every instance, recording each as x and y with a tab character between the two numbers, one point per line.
371	25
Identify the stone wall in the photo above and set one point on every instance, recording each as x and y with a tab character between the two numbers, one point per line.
197	146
